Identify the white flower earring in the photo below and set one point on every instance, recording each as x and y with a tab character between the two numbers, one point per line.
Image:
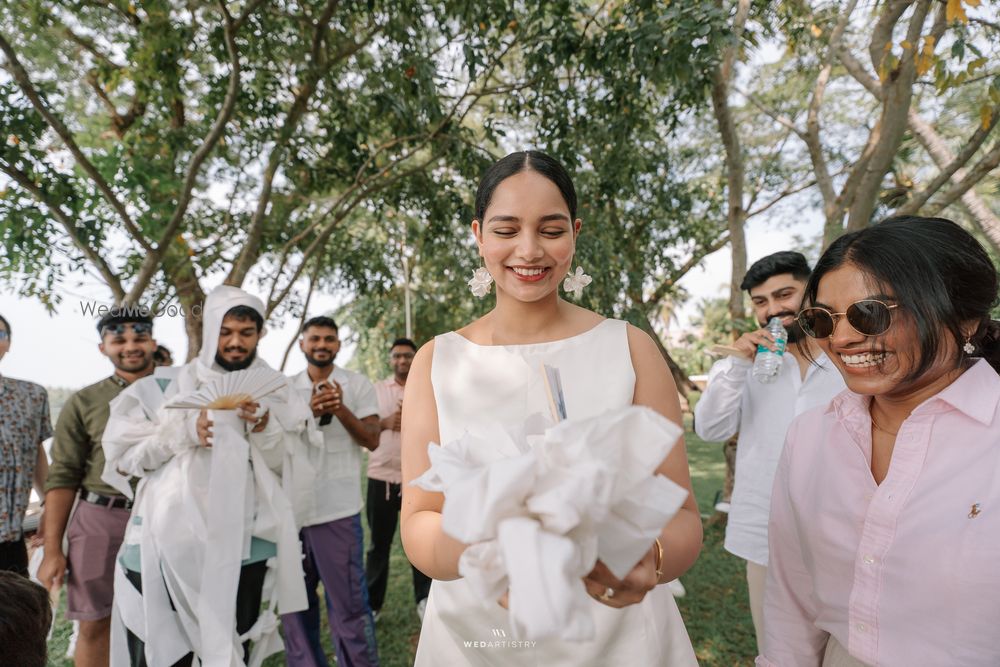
968	348
480	283
575	282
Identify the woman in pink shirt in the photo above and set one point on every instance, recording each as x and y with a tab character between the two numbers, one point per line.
885	516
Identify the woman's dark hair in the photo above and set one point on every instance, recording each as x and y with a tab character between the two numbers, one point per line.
515	163
938	273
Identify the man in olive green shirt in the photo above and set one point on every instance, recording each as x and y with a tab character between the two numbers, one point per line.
97	527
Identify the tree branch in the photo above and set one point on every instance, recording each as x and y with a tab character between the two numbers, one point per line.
317	66
151	264
758	185
246	13
984	218
305	314
986	164
885	138
739	25
949	164
88	46
812	133
92	255
24	82
324	234
668	283
882	32
735	171
360	182
787	192
857	70
780	119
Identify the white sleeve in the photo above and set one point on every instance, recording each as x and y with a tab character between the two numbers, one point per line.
270	443
365	399
136	443
718	412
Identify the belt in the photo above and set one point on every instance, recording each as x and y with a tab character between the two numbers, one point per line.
106	501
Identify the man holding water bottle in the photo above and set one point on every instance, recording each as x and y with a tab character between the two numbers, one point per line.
756	391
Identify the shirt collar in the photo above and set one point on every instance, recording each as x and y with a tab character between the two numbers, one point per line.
975	393
302	381
119	380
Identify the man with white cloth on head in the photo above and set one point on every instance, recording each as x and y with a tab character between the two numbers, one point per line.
212	532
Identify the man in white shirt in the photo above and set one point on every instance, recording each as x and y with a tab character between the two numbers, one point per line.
346	409
735	402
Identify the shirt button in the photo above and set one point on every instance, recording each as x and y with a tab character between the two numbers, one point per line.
861	627
869	559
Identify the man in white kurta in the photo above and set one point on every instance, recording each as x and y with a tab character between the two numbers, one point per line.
345	405
212	533
735	402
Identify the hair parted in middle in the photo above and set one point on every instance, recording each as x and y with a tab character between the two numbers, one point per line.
515	163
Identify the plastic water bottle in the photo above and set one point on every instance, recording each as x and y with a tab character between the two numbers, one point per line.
767	363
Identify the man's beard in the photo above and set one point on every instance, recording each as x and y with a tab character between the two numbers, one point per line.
313	361
120	364
236	365
795	332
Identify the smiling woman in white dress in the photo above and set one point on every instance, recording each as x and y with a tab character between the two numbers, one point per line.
488	373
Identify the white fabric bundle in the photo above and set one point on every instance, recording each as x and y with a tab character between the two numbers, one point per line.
540	506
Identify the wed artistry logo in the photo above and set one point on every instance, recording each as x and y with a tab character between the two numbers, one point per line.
499	641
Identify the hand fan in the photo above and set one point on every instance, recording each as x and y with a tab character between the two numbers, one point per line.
228	391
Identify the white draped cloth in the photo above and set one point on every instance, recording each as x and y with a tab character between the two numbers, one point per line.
196	510
540	507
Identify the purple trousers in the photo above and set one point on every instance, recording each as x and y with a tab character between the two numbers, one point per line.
333	555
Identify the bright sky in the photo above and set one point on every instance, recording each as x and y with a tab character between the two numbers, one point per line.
60	350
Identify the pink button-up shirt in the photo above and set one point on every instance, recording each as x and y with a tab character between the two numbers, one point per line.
904	573
386	463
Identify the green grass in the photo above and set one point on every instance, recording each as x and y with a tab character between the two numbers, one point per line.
715	609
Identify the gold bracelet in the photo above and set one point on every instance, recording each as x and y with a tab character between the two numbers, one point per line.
659	560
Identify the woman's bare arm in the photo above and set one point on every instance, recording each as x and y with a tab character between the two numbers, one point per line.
654	387
426	545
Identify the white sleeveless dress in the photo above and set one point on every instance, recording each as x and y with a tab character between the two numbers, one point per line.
476	385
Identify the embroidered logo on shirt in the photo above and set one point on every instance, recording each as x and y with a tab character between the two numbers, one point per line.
975	511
